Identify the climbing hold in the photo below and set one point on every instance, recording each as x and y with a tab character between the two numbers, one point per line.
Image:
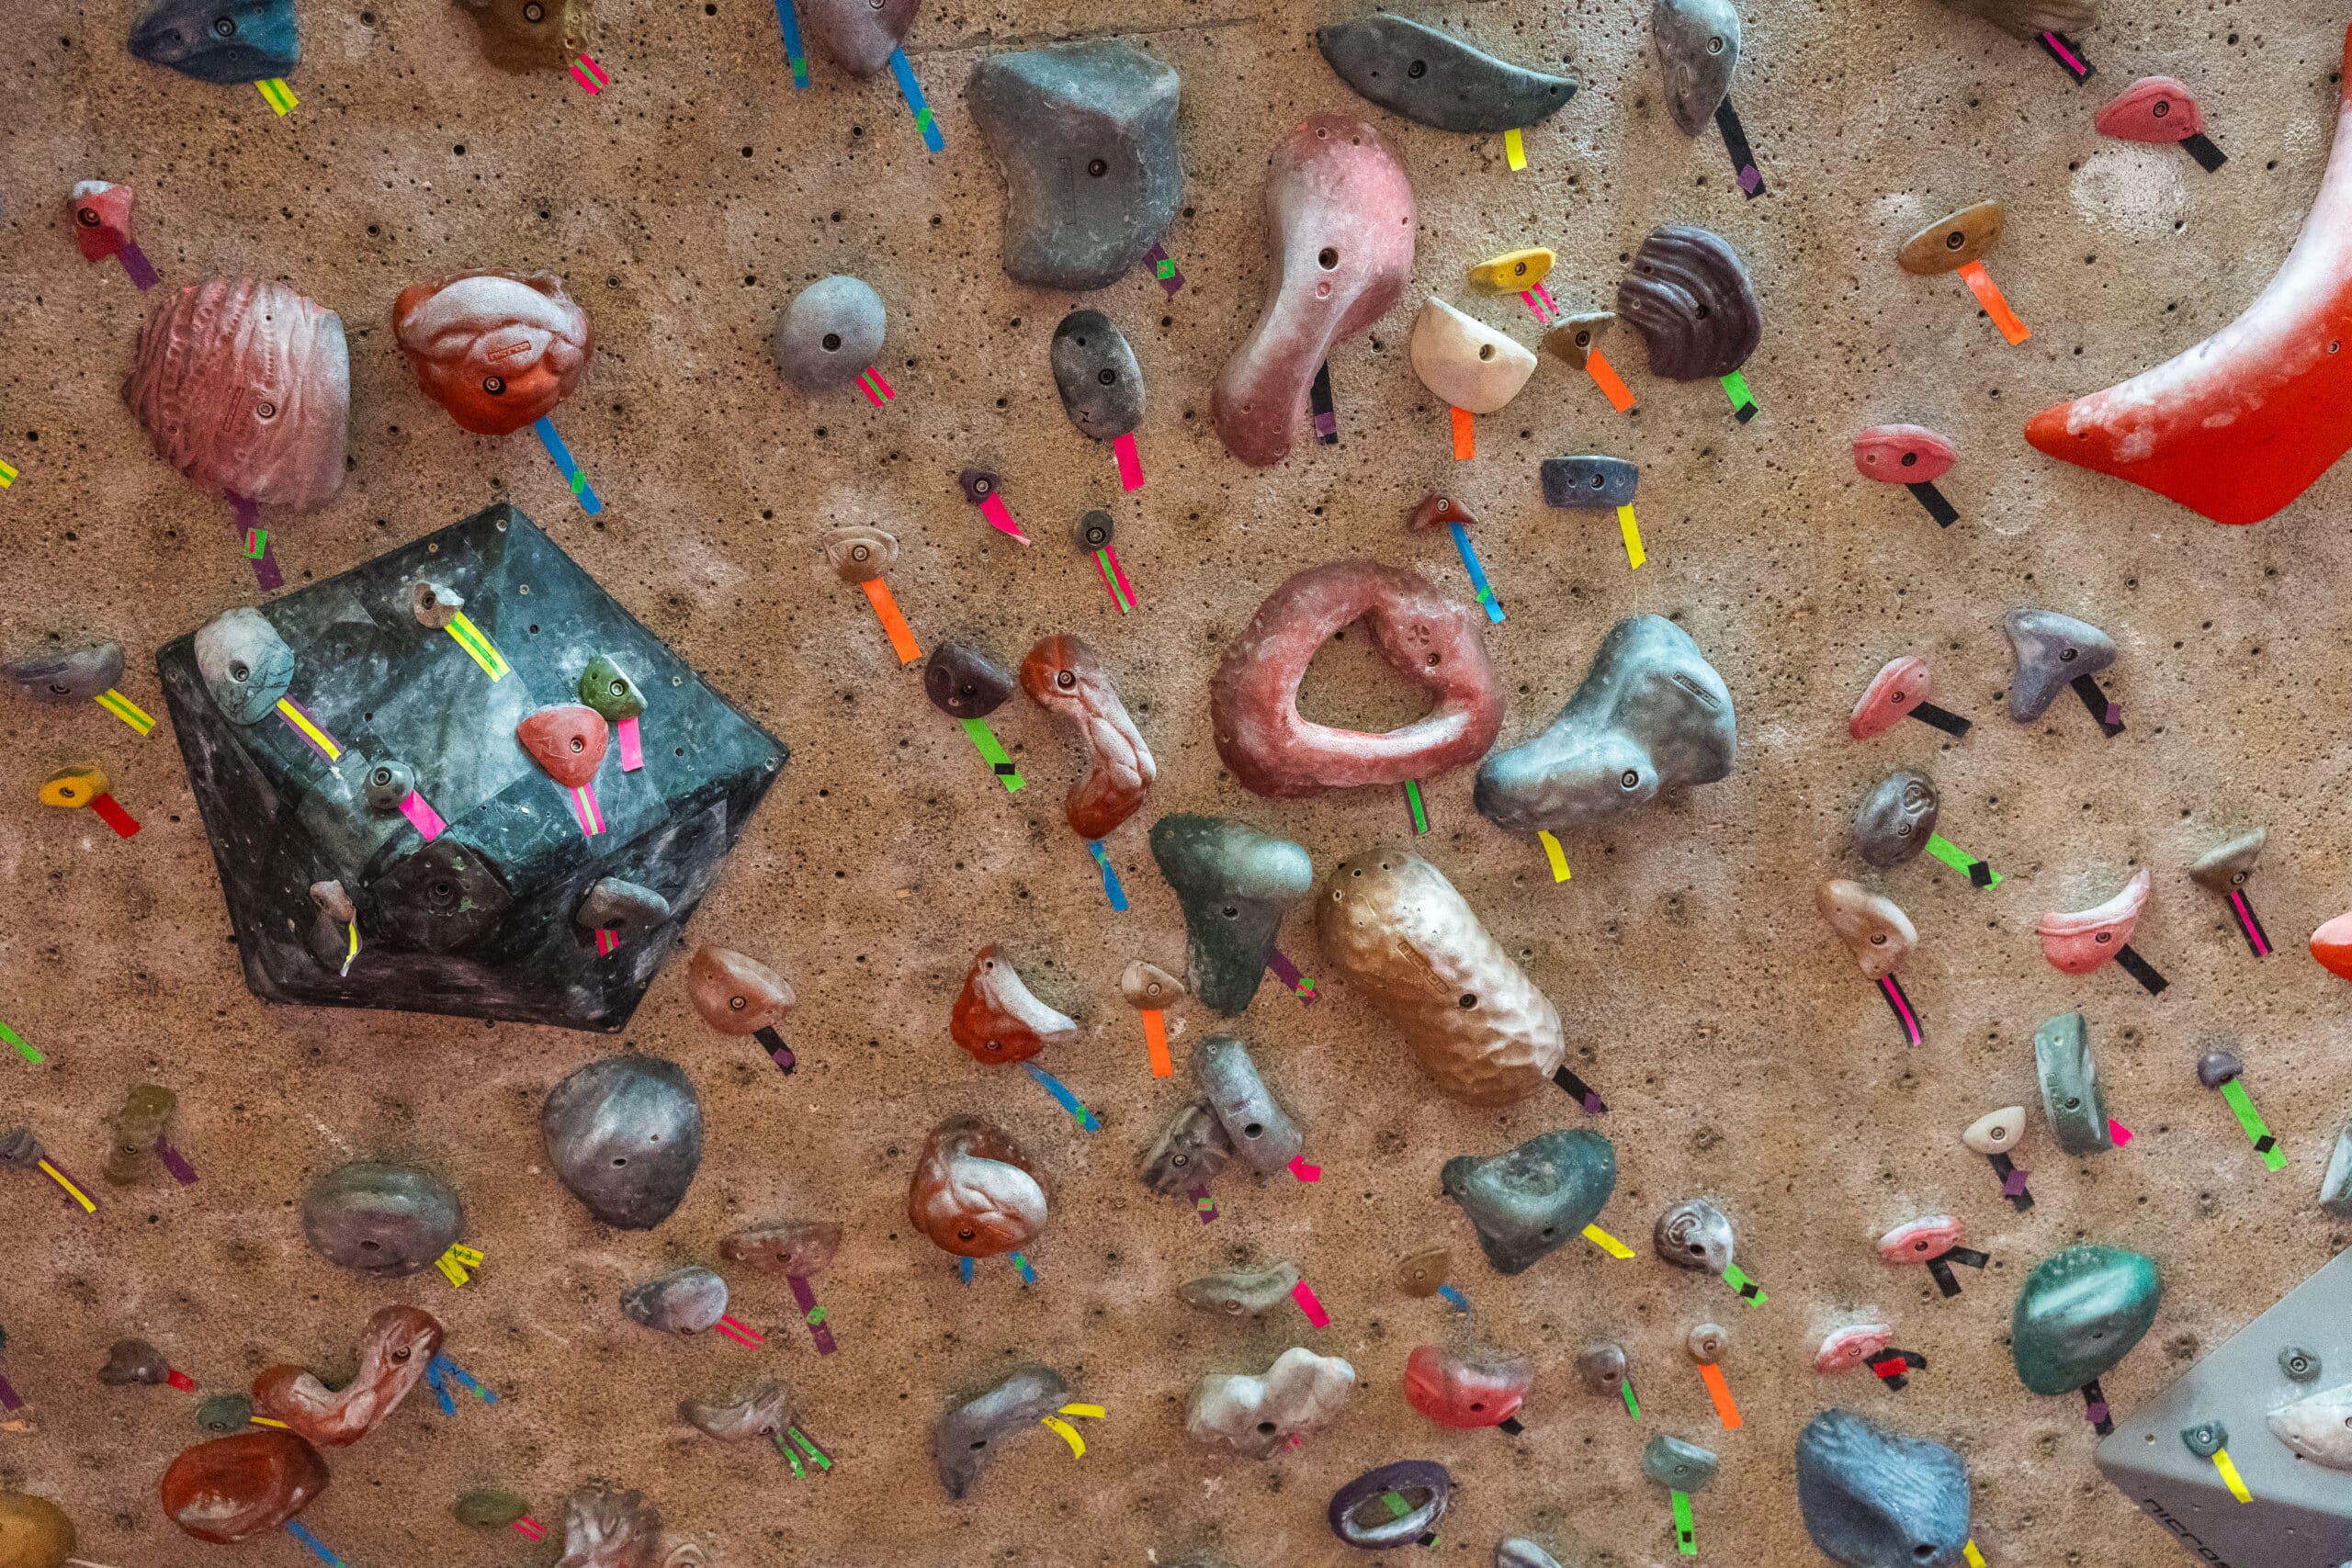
75	786
134	1361
795	1249
1903	455
1191	1149
435	605
567	739
2336	1182
1362	1515
763	1410
1898	691
2153	109
975	1191
612	905
1896	819
1651	714
1396	927
2332	945
962	682
244	664
1997	1132
74	673
1589	482
1426	637
1695	1234
625	1135
530	35
685	1301
1242	1292
34	1532
2217	1067
2079	942
1851	1347
1575	337
1438	511
1233	883
385	787
736	994
1255	1417
2051	651
1875	1499
1107	108
1518	1551
395	1348
961	1439
219	1415
1601	1368
1697	49
2071	1097
1063	675
1513	272
606	1527
1676	1465
381	1220
1873	928
1422	1273
1096	373
1916	1241
997	1018
221	41
1689	298
1953	241
604	687
232	1489
1466	1390
1534	1200
486	1509
2078	1313
497	351
1339	227
859	36
830	333
1254	1121
2228	865
2318	1427
1466	363
1146	986
2032	18
1707	1342
1095	531
1435	79
138	1126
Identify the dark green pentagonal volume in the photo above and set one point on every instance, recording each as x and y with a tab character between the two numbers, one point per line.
2079	1313
1233	883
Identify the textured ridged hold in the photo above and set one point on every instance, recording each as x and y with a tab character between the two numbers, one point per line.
1242	1292
232	1489
1513	272
1233	883
1651	714
2228	865
34	1532
1873	928
2217	1067
2078	1313
1535	1199
685	1301
859	36
1953	241
606	1527
607	688
795	1249
381	1220
2238	426
2050	652
396	1347
830	333
625	1134
963	682
1601	1368
1362	1516
1085	136
1147	987
488	1508
2318	1427
1466	363
1697	49
221	41
1676	1465
497	351
530	35
734	993
1096	373
1894	694
1694	1234
74	673
2336	1182
1260	1131
1396	928
2332	945
1577	336
1995	1132
1896	819
244	664
1064	676
965	1437
1689	298
2081	941
1339	234
2070	1097
2153	109
998	1019
2032	18
1435	79
134	1361
1903	455
1875	1499
1191	1149
612	905
975	1191
1589	482
1915	1241
1466	1390
1851	1347
762	1411
136	1126
1427	637
245	387
1255	1417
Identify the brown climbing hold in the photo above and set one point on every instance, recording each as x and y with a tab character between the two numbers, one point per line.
1953	241
975	1191
1063	676
998	1019
400	1342
1438	511
1577	336
734	993
232	1489
1147	987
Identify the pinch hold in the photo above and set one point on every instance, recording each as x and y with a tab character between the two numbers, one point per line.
2051	651
1873	1499
73	673
1254	1121
2071	1097
974	1190
734	993
1064	676
966	1435
998	1019
1234	884
1697	49
1531	1200
497	352
2081	941
1435	79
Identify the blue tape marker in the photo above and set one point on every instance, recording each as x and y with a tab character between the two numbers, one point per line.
458	1372
1455	1297
964	1270
1477	573
294	1527
793	53
913	90
440	1389
1055	1087
1028	1275
1118	895
571	471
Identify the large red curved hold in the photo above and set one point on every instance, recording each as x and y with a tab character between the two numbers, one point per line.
1466	1392
2240	424
1063	676
234	1488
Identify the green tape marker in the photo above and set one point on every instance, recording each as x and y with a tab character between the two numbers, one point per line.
993	753
1632	1409
1743	401
2242	1106
1413	799
1686	1536
18	1041
1749	1290
1961	860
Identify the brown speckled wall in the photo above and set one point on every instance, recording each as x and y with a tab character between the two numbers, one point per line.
1742	1055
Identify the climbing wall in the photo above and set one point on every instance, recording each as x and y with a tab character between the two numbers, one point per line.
1742	1055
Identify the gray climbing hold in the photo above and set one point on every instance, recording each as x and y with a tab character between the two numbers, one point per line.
1896	819
2205	1439
1651	714
1233	883
1260	1129
2052	652
386	784
859	36
761	1411
2318	1427
2218	1067
2226	866
134	1361
963	682
830	333
1535	1199
1676	1465
1697	46
2071	1097
1601	1368
685	1301
1434	79
2335	1185
1694	1234
963	1438
625	1134
612	905
1598	482
1085	135
1876	1499
2299	1364
381	1220
1689	298
221	41
67	674
1518	1551
1191	1149
224	1413
1096	373
244	664
1241	1293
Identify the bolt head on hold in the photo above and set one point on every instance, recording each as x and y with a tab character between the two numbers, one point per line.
860	553
1095	531
1953	241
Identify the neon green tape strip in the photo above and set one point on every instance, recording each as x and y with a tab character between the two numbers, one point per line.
816	1455
18	1041
1632	1409
1396	1508
785	1448
1413	799
1959	860
1686	1535
992	752
1743	1284
1736	389
2242	1105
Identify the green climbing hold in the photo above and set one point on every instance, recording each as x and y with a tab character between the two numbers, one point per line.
490	1509
1233	883
604	687
2078	1313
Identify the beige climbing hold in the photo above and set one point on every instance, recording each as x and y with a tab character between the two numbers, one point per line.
1995	1132
1467	363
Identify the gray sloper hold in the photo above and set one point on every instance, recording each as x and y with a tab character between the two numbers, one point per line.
1242	1292
2335	1184
1434	79
1085	135
383	1220
830	333
1676	1465
1190	1150
625	1134
386	784
962	1439
1518	1551
1535	1199
2071	1097
685	1301
67	674
1698	47
1261	1129
859	36
1875	1499
613	905
2052	652
1651	714
1233	883
1601	1368
2218	1067
1896	819
1694	1234
2226	866
1096	373
243	663
762	1411
1588	481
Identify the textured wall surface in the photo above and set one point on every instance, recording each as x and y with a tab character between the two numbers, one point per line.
1742	1055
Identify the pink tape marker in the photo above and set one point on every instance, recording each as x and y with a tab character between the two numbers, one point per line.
1304	1296
607	940
585	806
1304	1172
632	746
992	507
2119	1132
1130	463
421	816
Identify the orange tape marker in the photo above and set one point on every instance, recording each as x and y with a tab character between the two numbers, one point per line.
1612	386
1155	1043
1980	283
1466	436
1720	1391
886	610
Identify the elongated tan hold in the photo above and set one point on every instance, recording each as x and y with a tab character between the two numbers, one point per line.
1394	926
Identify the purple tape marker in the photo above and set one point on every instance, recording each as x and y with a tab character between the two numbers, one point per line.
1163	269
1287	973
134	262
248	518
176	1163
812	1314
9	1400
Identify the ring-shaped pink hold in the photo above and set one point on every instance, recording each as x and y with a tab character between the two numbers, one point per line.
1894	693
2080	942
1426	637
2153	109
1903	455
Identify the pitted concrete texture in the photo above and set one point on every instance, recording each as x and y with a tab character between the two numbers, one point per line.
1742	1053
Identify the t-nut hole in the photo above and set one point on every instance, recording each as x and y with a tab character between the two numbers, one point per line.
1107	376
1910	459
1879	941
1065	679
494	385
1417	69
1232	912
1098	168
1326	258
1715	44
226	27
265	410
1253	1130
831	342
2104	936
2162	107
2065	656
1266	1426
579	744
1630	778
1467	1000
1485	351
1548	1231
535	11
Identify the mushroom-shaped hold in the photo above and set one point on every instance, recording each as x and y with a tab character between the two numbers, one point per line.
998	1019
975	1191
497	351
2080	942
134	1361
1466	363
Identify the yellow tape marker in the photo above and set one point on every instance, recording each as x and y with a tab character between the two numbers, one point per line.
1069	1434
266	1421
465	1255
8	475
1514	149
1096	1411
1553	852
1632	530
279	95
123	708
1975	1557
302	721
450	1271
71	1190
1607	1243
2230	1476
353	956
479	648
